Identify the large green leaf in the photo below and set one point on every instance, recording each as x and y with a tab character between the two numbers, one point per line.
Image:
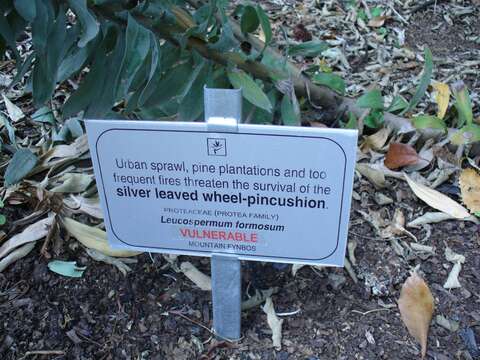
136	51
424	82
22	162
290	112
309	48
89	24
462	103
250	89
48	40
398	103
191	106
429	122
157	63
371	100
330	80
265	24
26	8
249	21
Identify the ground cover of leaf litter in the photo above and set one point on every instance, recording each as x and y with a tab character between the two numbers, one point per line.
155	312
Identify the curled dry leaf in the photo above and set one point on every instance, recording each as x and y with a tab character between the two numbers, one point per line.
470	189
457	260
442	97
375	176
274	323
203	281
31	233
416	309
400	155
437	200
93	238
376	141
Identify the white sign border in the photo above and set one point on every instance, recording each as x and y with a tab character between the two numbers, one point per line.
93	126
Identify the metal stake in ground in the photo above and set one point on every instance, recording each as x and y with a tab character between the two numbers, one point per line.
223	112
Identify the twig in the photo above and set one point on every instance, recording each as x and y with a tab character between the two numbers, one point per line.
43	352
423	6
369	312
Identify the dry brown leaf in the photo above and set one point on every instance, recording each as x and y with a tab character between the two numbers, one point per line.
442	97
376	141
470	189
400	155
416	309
377	21
274	322
204	282
437	200
375	176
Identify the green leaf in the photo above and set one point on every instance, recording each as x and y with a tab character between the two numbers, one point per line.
3	219
429	122
136	51
66	268
424	82
376	11
262	116
330	80
371	100
466	135
374	119
250	89
352	121
89	24
462	103
227	39
308	48
26	8
44	115
48	41
398	103
290	113
22	70
265	24
10	130
249	21
191	106
22	162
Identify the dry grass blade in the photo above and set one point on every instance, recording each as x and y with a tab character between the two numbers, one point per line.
416	309
437	200
93	238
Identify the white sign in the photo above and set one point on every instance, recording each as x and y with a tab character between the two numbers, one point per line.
267	193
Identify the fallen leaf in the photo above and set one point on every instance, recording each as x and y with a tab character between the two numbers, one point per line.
203	281
66	268
274	322
31	233
416	309
376	141
296	268
400	155
120	264
447	324
15	255
93	238
259	297
442	97
377	21
73	183
457	260
375	176
470	189
90	206
437	200
13	110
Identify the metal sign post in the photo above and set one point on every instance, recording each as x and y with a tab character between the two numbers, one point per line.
223	112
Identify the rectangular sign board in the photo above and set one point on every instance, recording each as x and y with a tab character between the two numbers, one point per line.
266	193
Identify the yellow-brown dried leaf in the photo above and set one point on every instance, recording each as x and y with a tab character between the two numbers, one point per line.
416	309
442	97
470	189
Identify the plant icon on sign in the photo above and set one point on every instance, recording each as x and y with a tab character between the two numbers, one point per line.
217	146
